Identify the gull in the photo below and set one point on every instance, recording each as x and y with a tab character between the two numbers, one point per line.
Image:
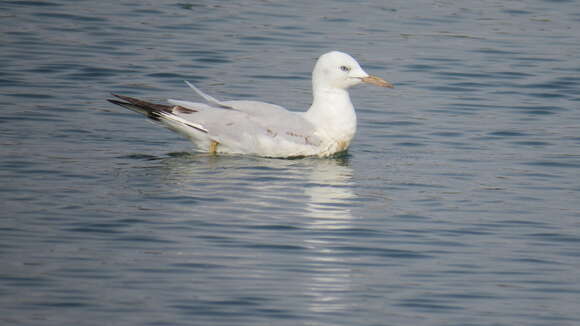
268	130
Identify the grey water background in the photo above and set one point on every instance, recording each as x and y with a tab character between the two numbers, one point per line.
457	204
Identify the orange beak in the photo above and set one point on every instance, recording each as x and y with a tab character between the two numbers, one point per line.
377	81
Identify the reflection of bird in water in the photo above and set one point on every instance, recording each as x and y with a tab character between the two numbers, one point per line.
263	129
330	192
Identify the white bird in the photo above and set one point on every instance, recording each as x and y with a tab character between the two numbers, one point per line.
263	129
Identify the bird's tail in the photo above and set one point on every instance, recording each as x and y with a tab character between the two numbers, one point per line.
151	110
159	112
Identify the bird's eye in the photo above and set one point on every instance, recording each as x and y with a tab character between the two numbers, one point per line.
345	68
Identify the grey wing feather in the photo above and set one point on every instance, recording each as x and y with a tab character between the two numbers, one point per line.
208	98
249	116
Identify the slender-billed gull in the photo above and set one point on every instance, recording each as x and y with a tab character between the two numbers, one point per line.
263	129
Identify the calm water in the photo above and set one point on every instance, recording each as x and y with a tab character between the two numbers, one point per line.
458	203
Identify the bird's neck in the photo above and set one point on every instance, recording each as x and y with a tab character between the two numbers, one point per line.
332	112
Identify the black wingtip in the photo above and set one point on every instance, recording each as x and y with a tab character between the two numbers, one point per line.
128	99
151	110
117	102
116	95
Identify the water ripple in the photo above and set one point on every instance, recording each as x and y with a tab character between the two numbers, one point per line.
456	204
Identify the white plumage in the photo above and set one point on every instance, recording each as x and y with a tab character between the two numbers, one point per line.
263	129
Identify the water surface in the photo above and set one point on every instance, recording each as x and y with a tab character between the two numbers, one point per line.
457	203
